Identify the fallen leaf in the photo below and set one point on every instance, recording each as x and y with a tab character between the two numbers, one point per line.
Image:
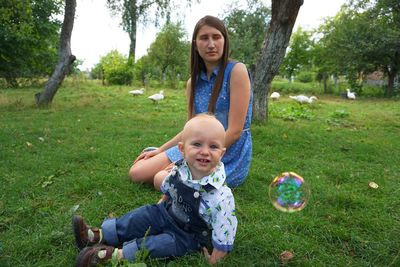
28	144
373	185
286	256
48	181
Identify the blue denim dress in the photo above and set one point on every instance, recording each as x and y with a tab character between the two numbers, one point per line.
238	156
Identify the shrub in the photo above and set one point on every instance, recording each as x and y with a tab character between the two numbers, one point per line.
120	76
116	68
305	76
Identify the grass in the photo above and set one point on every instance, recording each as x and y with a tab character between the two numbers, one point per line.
74	158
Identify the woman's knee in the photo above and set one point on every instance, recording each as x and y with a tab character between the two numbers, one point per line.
145	170
136	174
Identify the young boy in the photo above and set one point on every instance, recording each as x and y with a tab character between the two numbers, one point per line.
197	209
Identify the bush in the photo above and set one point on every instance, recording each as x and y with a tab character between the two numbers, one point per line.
119	76
305	76
116	68
296	87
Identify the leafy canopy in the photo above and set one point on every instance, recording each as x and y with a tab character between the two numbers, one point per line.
246	28
28	37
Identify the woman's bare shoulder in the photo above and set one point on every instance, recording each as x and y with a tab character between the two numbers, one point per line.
239	68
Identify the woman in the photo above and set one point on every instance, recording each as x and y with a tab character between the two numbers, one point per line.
217	85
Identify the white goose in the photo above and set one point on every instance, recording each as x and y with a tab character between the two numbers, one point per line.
157	97
350	95
275	96
302	99
137	92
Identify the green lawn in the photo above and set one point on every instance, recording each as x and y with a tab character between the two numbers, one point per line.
74	158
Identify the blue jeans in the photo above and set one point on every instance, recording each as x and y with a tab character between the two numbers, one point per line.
164	237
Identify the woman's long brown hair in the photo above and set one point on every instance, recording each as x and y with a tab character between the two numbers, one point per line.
197	63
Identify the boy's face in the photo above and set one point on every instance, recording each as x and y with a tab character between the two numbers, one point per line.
203	146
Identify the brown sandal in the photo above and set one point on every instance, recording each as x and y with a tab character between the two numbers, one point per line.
92	256
85	235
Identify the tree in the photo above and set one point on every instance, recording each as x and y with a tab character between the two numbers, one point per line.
284	14
97	72
323	63
364	37
28	38
170	52
133	11
116	68
247	28
65	57
299	55
384	26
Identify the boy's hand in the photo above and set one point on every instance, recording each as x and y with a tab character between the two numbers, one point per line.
215	256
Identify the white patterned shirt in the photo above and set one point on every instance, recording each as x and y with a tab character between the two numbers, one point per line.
217	207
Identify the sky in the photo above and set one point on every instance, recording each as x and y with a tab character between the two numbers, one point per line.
96	32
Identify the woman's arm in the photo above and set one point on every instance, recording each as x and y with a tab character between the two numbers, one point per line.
239	102
188	93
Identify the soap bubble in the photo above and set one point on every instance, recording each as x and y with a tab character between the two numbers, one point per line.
289	192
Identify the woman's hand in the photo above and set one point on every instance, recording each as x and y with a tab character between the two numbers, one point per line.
215	256
147	154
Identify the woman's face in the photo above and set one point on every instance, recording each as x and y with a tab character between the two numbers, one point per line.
210	44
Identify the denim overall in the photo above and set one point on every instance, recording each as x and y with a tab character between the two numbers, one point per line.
172	228
183	207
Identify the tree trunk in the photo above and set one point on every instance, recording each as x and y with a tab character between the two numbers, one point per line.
132	17
284	14
65	57
325	79
132	46
390	86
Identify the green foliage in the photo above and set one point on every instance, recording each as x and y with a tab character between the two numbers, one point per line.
298	56
247	28
283	86
340	113
116	68
97	72
361	38
92	133
134	12
291	113
74	69
28	38
168	55
142	69
305	76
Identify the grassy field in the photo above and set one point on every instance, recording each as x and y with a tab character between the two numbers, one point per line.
73	158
